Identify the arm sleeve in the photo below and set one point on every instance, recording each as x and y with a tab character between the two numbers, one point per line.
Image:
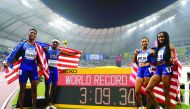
15	54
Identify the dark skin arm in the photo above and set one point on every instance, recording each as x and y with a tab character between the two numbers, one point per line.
68	54
135	56
62	52
45	49
5	64
173	57
152	52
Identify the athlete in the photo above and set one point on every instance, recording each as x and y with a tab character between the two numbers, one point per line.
28	67
165	58
143	58
52	55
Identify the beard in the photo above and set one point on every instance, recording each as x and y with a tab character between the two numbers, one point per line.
31	38
55	46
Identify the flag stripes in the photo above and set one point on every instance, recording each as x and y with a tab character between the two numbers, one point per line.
158	90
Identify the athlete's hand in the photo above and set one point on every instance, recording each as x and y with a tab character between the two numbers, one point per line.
78	52
5	64
153	68
41	68
174	61
136	51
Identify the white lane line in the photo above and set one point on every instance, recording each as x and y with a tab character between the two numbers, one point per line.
6	101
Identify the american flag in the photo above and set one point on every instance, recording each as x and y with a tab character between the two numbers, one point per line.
158	90
64	62
67	62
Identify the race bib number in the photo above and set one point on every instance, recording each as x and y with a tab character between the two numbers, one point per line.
53	56
152	70
169	69
160	55
52	63
30	54
142	57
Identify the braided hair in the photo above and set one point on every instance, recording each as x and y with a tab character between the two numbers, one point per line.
167	53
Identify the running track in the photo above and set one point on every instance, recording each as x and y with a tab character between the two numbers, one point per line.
6	91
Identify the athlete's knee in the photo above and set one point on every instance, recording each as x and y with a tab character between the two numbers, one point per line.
145	83
166	86
47	87
54	86
148	90
137	92
22	90
34	90
166	91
